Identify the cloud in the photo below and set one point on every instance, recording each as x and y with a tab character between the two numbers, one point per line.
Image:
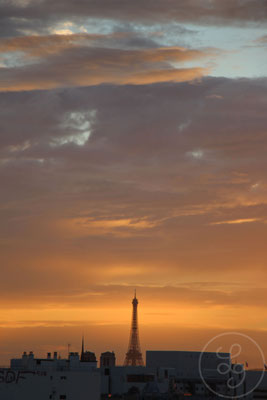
119	227
40	16
78	122
214	96
36	46
236	221
83	66
196	154
261	40
45	45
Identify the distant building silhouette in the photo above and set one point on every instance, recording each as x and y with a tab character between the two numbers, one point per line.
87	356
108	359
134	355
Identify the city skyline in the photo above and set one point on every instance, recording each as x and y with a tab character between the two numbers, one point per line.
132	155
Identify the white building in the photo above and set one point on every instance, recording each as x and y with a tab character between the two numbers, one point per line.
119	380
191	373
52	378
166	373
188	364
252	385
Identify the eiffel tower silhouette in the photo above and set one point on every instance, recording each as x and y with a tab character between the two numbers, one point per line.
134	355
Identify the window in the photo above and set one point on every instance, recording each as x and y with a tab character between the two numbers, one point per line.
62	396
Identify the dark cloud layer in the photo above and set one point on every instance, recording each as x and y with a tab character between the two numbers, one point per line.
200	11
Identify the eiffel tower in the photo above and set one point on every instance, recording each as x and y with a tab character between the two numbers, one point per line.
134	355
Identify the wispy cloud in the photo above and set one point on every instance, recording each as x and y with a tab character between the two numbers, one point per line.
236	221
64	63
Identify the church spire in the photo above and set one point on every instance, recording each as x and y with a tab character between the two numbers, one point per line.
82	353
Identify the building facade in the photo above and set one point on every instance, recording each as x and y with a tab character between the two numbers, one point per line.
51	378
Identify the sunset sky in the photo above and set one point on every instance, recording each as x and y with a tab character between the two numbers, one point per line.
133	154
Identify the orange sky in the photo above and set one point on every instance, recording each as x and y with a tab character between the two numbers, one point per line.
132	155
